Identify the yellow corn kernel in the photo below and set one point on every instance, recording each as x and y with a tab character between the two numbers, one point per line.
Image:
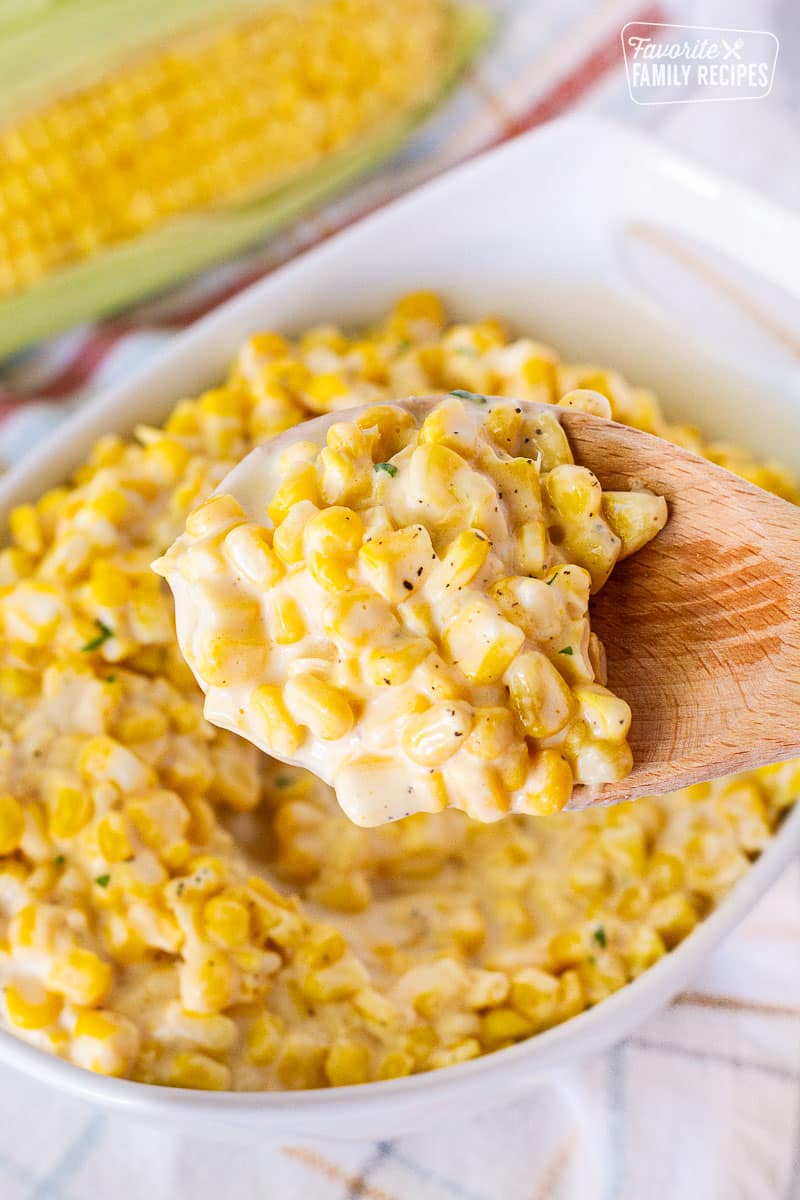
425	307
431	737
208	983
665	873
392	425
300	484
395	1064
480	642
325	391
504	1025
26	529
112	838
449	425
300	1063
376	1010
517	481
492	734
285	622
673	917
271	714
588	401
142	726
112	504
81	977
189	1069
548	785
249	550
635	517
224	658
287	540
335	982
644	947
323	708
351	893
535	994
109	586
169	457
29	1006
356	618
395	663
347	1062
540	697
12	823
331	540
463	559
70	810
396	564
215	516
448	1056
568	948
226	920
264	1038
608	717
323	946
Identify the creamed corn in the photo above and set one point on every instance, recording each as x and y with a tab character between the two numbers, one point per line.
402	607
176	908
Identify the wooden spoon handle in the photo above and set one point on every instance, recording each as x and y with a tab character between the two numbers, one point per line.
702	626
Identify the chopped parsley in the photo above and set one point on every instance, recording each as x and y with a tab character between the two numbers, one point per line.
282	781
59	860
567	650
599	936
111	679
405	344
103	881
104	633
475	397
389	468
551	580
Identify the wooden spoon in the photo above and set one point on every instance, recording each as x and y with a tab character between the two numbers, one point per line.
701	626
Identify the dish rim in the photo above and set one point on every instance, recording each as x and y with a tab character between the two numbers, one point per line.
568	1040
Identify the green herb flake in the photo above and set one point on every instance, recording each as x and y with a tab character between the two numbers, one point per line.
103	881
404	344
468	351
567	650
599	936
59	860
475	397
102	637
282	781
389	468
111	679
551	580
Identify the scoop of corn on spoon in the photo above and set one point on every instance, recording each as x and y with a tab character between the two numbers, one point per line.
701	626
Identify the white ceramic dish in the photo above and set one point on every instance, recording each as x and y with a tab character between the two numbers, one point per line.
530	232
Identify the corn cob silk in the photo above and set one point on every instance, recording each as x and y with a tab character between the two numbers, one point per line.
177	908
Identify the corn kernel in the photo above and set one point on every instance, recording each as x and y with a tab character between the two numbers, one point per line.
323	708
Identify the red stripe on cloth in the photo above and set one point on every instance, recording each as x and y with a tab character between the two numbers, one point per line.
580	80
7	407
98	344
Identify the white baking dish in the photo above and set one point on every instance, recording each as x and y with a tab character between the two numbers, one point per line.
530	232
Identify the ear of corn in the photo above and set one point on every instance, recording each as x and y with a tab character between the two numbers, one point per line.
197	141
